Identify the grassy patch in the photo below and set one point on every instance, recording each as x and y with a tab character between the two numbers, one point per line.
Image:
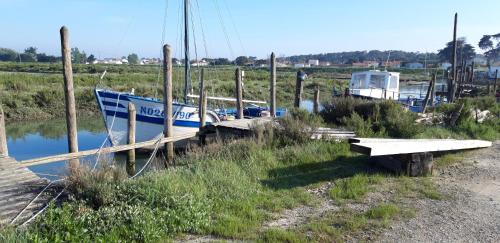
226	190
354	187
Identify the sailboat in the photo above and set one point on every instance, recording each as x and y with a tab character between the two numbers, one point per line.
150	114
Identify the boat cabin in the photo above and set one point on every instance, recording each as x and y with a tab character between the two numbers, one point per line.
375	84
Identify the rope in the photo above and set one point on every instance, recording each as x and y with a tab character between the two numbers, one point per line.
150	158
44	208
34	199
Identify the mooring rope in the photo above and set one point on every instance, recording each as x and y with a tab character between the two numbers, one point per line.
34	199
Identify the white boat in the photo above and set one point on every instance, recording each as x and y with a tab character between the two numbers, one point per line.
150	116
375	84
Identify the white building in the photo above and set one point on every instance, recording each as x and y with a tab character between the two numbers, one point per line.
313	62
201	63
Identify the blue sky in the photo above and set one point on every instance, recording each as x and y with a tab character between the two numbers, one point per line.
110	28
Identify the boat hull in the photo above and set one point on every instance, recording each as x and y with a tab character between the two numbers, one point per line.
149	118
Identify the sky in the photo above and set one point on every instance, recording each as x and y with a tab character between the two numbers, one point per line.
231	28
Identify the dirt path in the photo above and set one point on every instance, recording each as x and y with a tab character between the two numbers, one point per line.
469	213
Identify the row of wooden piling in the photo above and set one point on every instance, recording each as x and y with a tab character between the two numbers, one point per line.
70	105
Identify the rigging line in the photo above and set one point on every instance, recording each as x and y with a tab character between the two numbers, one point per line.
221	21
202	29
194	44
164	27
234	26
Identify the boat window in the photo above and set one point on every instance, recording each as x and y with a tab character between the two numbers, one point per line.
377	81
394	82
358	81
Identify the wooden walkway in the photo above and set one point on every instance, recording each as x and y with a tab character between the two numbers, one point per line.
18	187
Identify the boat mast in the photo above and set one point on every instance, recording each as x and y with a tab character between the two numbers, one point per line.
187	68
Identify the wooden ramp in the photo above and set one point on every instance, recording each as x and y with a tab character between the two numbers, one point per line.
382	147
413	157
18	187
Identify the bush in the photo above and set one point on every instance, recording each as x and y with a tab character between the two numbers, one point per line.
372	118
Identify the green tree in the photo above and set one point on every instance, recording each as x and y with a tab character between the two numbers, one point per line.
30	54
42	57
77	56
464	51
8	55
242	61
133	59
492	50
91	58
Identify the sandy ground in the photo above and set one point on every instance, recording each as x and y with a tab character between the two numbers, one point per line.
469	213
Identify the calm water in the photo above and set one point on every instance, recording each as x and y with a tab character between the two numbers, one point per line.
28	140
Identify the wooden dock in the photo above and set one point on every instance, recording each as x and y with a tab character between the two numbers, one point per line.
18	187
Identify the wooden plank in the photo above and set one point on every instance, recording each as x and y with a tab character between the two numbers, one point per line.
62	157
379	148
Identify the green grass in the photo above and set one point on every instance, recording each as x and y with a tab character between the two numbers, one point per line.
228	192
354	187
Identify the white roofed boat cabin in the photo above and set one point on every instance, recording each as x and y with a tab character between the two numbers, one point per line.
375	84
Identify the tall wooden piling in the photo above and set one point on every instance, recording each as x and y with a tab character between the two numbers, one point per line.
69	94
131	138
202	108
429	95
167	103
3	135
299	88
452	85
495	84
316	100
272	84
239	94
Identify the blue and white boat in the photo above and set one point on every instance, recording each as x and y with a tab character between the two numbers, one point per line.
150	116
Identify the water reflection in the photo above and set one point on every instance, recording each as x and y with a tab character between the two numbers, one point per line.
28	140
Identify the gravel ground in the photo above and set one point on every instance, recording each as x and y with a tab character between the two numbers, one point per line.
470	211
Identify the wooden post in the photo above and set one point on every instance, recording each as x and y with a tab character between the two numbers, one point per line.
273	85
429	93
69	95
433	92
495	84
131	138
472	73
452	84
3	135
167	103
299	88
239	95
316	100
202	108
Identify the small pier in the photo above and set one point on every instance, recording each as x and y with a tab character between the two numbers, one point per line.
19	186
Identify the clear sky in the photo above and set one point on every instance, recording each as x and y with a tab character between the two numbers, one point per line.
108	28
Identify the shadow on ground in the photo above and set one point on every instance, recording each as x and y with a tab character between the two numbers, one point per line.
307	174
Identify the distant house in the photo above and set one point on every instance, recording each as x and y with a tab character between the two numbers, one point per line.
414	65
392	64
301	65
200	63
324	64
366	64
445	65
480	60
313	62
